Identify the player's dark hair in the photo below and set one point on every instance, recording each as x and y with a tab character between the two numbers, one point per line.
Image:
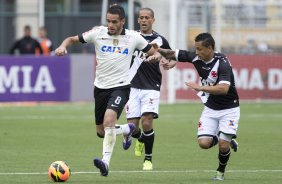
206	39
148	9
117	10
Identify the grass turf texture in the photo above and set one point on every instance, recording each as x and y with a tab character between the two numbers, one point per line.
31	138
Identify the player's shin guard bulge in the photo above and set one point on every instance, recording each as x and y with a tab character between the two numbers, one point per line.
109	143
108	146
149	138
223	160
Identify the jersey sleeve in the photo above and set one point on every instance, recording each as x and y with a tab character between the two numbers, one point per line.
224	71
165	44
89	36
141	43
185	56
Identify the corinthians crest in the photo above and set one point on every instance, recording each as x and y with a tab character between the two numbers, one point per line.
115	42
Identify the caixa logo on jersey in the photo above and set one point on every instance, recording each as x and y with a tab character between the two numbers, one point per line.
112	49
34	79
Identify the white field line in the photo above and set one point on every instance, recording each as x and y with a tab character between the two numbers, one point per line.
40	117
44	117
171	171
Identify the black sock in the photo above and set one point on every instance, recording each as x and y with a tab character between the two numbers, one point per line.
148	138
214	141
137	135
223	159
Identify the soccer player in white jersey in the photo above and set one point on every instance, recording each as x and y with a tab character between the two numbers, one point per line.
219	120
114	46
143	104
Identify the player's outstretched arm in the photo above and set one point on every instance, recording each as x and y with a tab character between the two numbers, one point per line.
168	65
62	49
154	55
219	89
167	53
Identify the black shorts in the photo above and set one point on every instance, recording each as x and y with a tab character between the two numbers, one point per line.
113	98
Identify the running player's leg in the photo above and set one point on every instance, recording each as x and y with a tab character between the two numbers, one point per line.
133	114
228	125
100	96
115	104
108	142
130	110
207	129
149	110
119	98
223	155
139	144
148	137
207	133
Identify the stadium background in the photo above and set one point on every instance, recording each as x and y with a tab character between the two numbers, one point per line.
249	32
36	133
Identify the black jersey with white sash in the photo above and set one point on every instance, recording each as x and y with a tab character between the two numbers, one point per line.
216	71
147	75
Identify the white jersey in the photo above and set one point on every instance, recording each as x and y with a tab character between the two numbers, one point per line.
113	55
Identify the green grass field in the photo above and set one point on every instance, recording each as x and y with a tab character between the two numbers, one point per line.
31	138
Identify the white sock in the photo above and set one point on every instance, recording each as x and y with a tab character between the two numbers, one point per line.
108	144
122	129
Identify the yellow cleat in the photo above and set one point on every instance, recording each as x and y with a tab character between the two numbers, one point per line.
139	146
147	165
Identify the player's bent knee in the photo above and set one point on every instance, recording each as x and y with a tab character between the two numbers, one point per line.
204	143
224	146
204	146
100	135
147	126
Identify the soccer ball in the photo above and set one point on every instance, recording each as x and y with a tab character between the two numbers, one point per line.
59	171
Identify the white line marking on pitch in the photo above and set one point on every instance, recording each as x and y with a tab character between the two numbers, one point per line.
184	171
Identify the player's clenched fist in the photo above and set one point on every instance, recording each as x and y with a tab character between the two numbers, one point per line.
60	51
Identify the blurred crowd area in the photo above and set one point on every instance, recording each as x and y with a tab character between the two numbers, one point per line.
246	27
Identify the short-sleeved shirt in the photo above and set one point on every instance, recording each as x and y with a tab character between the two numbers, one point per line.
216	71
147	75
113	55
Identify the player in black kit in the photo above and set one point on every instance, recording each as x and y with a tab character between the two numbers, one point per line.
219	120
27	44
143	104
